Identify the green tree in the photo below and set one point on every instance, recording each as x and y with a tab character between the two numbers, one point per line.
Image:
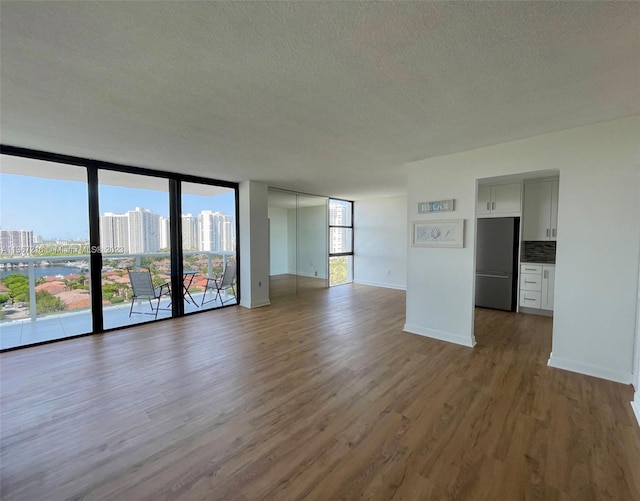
158	281
18	286
148	262
47	303
338	270
114	290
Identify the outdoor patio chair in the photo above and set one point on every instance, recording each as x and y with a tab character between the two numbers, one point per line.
219	284
144	290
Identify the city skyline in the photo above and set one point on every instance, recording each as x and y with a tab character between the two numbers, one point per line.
61	211
143	231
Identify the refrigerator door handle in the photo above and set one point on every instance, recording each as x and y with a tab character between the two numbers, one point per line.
493	275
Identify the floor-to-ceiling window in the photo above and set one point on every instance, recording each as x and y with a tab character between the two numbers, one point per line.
208	246
134	237
44	252
77	233
340	242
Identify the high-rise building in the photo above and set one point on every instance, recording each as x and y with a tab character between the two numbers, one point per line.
216	231
144	231
206	231
165	236
337	214
15	242
114	232
5	241
189	232
338	236
228	239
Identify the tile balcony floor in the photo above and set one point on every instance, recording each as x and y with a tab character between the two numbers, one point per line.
24	332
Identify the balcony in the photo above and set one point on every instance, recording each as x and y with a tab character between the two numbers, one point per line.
23	322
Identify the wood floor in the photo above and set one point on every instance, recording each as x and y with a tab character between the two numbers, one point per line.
319	396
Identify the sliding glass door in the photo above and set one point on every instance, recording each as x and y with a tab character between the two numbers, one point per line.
87	246
208	246
45	290
134	237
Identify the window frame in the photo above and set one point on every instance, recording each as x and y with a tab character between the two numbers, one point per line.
351	227
175	180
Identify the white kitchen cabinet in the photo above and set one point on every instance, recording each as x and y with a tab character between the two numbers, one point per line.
499	199
540	213
484	200
537	282
530	268
530	299
548	285
531	282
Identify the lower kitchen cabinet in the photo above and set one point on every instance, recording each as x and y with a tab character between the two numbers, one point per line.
537	282
530	299
548	284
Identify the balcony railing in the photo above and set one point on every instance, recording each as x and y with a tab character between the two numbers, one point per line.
130	261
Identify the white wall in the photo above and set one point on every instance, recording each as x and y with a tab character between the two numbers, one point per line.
278	241
380	247
597	249
254	245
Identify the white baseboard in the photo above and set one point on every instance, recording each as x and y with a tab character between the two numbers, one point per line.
440	335
635	405
589	370
381	284
257	304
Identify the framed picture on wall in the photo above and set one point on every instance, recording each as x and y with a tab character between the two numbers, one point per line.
441	233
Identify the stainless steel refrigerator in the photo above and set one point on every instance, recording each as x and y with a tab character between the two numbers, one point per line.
497	263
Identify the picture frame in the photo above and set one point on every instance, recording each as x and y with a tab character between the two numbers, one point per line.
440	233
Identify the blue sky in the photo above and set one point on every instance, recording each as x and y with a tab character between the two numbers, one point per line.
58	209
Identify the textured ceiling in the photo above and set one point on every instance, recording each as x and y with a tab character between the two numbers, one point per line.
329	98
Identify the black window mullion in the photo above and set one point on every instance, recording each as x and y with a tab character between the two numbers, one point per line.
175	230
95	253
237	250
353	233
343	227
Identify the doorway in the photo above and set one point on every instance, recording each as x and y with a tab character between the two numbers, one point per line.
524	207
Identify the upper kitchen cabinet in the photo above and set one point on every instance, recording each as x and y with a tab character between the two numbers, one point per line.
499	200
540	215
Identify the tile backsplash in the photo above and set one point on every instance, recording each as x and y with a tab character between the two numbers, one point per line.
539	252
